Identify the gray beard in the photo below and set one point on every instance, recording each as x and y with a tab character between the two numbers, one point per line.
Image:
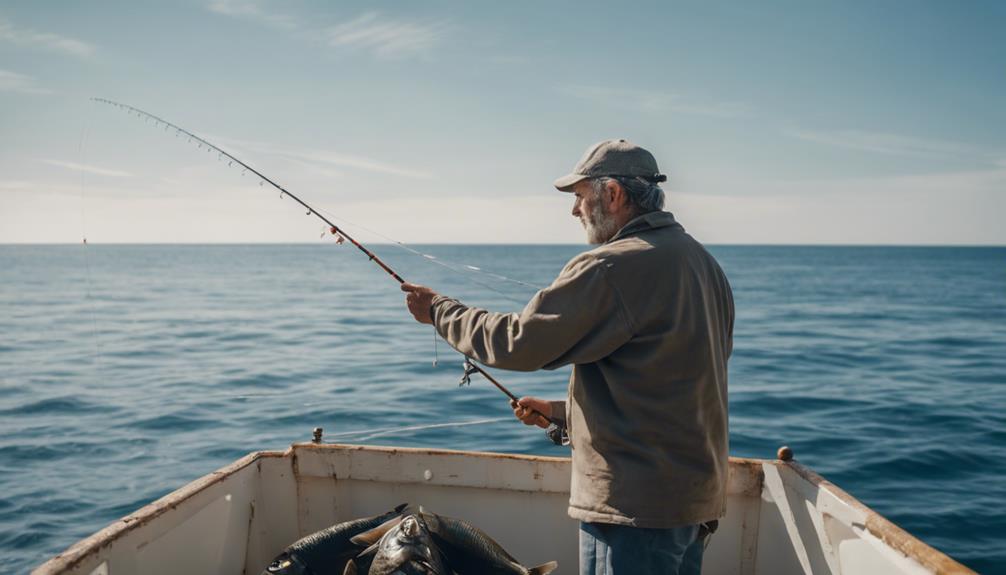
599	225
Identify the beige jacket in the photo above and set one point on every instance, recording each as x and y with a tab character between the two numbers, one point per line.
646	319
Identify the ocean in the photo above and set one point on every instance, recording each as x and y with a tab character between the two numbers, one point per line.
127	371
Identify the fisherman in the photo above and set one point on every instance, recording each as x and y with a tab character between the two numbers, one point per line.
646	319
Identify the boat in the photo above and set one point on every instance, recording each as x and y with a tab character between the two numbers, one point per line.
782	517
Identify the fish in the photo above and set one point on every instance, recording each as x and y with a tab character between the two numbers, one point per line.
471	551
359	565
326	551
466	549
405	547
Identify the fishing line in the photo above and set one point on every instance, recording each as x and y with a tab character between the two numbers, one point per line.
459	268
339	233
372	433
85	131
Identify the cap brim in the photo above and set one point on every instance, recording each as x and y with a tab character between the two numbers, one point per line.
566	183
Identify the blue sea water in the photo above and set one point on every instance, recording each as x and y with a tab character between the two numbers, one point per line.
128	371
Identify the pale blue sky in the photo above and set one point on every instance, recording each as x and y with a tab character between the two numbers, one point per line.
781	122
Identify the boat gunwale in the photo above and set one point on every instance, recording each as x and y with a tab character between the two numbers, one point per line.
749	483
883	528
85	548
426	450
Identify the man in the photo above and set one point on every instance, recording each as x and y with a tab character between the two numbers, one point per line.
646	320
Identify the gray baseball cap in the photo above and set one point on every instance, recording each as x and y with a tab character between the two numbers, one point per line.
612	158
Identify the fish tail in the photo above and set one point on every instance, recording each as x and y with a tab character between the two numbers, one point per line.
543	569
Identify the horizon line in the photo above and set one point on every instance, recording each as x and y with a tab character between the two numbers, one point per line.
585	246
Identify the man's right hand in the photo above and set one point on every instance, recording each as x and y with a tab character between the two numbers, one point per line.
531	409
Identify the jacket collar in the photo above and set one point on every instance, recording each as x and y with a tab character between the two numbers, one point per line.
645	222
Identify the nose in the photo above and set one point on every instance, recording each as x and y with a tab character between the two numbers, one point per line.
576	208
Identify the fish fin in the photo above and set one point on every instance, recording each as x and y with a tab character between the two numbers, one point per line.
368	538
543	568
350	568
401	507
372	550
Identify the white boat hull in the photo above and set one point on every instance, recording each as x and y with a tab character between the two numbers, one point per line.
781	517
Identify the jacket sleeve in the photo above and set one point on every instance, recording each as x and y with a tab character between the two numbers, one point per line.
580	318
559	412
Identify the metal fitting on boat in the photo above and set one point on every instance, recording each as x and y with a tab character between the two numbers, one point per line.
785	453
317	434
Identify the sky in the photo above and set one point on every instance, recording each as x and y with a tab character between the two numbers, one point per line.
855	122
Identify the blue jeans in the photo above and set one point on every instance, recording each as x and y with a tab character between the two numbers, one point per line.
607	549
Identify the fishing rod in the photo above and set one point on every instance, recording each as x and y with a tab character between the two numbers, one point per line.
334	229
469	366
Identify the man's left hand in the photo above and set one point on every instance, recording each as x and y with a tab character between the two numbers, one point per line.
419	299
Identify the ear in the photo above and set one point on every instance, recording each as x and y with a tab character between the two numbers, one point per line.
616	196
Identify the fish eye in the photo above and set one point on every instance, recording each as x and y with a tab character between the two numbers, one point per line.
287	565
279	564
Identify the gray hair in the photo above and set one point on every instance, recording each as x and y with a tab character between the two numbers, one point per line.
644	195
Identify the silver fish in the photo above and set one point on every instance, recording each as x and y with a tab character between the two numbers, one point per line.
359	565
405	547
326	551
470	551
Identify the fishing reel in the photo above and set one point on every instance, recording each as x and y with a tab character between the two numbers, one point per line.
466	378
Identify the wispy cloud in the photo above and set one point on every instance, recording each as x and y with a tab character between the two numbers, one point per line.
14	82
37	189
253	11
386	38
89	169
886	143
323	158
951	207
359	163
44	40
16	185
654	101
949	184
371	32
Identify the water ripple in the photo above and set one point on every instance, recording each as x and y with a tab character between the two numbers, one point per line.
882	367
64	405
